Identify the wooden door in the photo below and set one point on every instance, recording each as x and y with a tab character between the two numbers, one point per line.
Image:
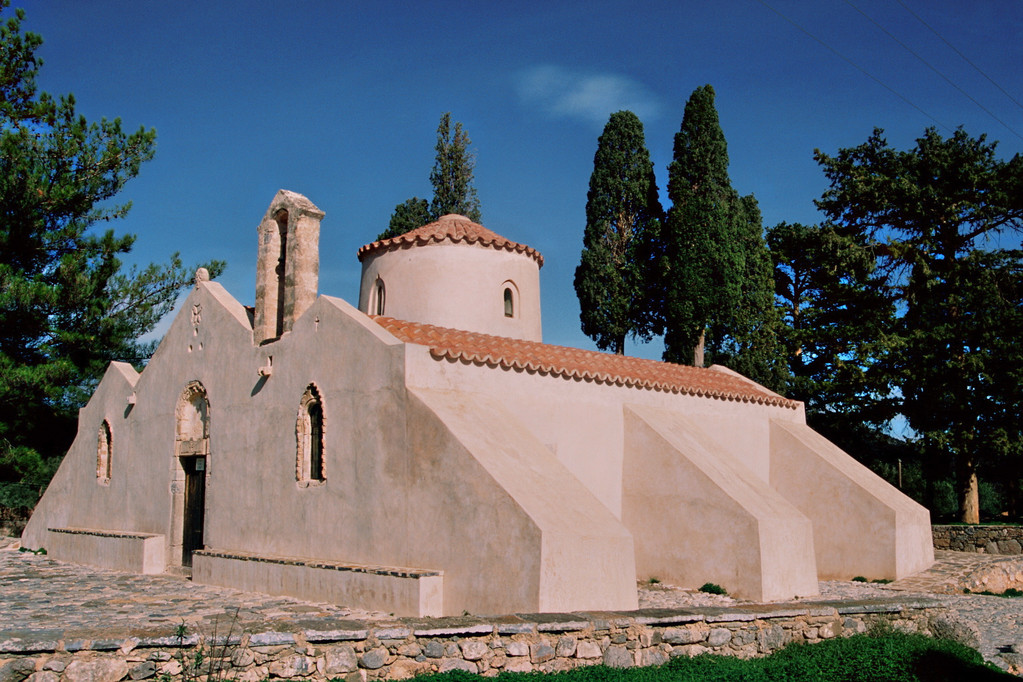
195	507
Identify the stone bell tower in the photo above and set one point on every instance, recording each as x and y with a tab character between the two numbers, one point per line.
287	265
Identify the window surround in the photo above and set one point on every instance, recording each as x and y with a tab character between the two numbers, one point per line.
104	452
510	294
310	469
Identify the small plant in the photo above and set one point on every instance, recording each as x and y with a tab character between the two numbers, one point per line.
712	588
41	550
1010	592
207	661
881	581
653	581
860	579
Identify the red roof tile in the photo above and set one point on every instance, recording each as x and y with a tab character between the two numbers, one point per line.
485	349
450	228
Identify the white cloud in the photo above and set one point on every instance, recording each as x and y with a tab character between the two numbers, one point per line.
591	97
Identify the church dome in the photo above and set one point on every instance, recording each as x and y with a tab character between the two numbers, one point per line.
454	273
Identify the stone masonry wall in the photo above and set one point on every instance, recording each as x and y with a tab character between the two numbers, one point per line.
355	652
982	539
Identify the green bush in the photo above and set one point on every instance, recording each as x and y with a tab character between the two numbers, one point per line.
881	656
712	588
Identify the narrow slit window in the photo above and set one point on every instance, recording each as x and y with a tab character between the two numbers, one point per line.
380	295
315	442
509	303
309	432
104	447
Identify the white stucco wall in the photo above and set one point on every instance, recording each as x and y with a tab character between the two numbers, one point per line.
460	286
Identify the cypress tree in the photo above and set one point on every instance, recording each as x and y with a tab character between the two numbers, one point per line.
699	258
622	212
453	190
452	180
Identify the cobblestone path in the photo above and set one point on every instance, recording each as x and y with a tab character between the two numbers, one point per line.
56	600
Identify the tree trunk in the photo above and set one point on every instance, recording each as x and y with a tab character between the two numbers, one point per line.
620	345
698	351
969	492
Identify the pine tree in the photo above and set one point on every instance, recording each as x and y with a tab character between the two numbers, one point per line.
66	308
622	210
837	313
927	214
407	216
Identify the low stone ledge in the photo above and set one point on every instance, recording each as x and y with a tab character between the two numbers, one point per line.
359	651
128	535
390	571
129	551
400	590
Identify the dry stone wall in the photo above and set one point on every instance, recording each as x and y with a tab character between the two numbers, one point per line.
355	652
983	539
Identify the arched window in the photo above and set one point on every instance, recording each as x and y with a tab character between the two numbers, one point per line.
104	449
511	296
509	303
379	296
309	434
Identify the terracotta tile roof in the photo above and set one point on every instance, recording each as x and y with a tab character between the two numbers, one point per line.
454	229
484	349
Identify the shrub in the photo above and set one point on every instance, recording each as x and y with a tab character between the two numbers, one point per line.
881	655
712	588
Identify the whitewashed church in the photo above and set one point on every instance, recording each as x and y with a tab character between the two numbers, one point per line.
427	454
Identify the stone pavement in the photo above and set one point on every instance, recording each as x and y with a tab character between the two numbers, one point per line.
46	601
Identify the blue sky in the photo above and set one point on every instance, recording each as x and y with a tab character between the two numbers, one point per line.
340	101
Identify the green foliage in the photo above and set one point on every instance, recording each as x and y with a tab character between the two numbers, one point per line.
1008	593
712	285
927	215
837	314
209	660
66	308
452	180
407	216
712	588
876	657
451	177
699	259
622	214
860	579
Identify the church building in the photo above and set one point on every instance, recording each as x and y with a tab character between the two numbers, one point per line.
427	454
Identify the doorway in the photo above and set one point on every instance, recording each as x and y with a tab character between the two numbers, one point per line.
195	507
190	468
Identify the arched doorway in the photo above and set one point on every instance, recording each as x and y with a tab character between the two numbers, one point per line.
191	468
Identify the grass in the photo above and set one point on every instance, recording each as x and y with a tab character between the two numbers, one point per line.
888	657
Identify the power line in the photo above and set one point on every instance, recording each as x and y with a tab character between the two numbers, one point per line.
857	66
934	69
961	55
